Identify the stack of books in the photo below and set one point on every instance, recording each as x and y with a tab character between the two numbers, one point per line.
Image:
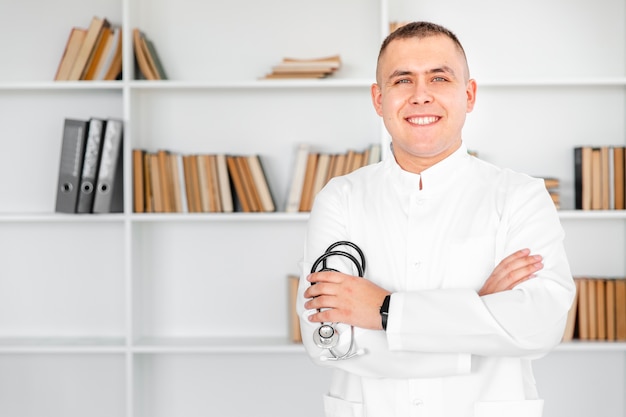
598	311
305	68
90	170
95	53
552	185
312	170
148	65
600	177
169	182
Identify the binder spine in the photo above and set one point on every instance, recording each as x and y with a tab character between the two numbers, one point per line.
109	196
70	166
91	164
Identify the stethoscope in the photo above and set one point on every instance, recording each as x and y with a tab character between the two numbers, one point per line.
327	336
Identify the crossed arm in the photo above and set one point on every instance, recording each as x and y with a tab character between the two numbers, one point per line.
355	301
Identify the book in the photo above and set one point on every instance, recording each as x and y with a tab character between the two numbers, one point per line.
583	310
110	65
145	71
177	183
104	43
203	183
139	190
182	183
88	47
215	202
605	178
71	165
91	164
601	308
153	59
583	177
295	333
619	182
190	163
570	325
297	179
609	291
238	185
592	311
261	184
305	67
306	200
321	175
155	183
620	310
250	190
226	196
147	183
73	45
166	180
109	196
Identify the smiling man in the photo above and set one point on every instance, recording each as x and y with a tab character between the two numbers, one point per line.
467	279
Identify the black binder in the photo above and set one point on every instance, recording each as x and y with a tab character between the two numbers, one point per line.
91	163
109	196
71	164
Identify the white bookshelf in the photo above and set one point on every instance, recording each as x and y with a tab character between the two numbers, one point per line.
154	315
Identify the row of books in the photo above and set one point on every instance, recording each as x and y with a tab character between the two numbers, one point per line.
312	170
90	176
170	182
95	53
598	311
305	67
552	185
600	177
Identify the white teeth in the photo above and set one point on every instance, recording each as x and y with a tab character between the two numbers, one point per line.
423	120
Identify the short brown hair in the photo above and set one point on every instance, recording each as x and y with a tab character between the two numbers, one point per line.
421	30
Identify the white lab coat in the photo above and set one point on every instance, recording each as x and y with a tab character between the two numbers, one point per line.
447	352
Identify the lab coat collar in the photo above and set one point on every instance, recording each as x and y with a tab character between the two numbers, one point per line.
435	179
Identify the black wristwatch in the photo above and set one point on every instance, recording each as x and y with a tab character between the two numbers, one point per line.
384	311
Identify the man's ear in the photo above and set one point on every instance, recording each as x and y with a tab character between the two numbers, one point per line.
470	90
377	99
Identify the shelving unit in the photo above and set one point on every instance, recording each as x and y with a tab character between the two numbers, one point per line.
154	315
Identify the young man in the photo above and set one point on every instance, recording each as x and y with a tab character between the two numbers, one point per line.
466	275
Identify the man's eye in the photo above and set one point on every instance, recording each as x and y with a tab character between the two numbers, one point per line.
439	79
403	81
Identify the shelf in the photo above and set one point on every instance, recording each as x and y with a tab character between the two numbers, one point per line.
220	217
215	345
59	218
61	345
236	217
593	214
591	346
62	85
331	83
554	82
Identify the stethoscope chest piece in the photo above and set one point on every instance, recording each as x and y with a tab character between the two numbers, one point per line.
326	337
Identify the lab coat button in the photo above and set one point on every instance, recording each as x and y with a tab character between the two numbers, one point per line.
417	402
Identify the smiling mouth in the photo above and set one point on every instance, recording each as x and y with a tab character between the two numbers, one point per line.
422	121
